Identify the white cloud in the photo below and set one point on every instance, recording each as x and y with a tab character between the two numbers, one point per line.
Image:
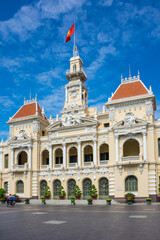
106	3
6	102
54	102
4	135
96	64
46	78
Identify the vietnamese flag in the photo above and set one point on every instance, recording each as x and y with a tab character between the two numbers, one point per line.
70	33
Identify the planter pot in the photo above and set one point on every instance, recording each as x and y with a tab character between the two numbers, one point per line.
72	203
47	197
61	197
77	197
148	202
43	202
108	203
94	197
89	203
129	203
27	202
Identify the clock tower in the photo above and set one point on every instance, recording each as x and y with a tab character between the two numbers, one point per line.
76	93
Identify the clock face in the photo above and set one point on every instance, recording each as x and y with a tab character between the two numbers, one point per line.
74	94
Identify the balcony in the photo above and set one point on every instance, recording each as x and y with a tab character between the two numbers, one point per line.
103	162
44	166
88	164
20	167
78	71
72	164
58	165
130	158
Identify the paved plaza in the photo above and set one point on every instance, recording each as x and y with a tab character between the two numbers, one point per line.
79	222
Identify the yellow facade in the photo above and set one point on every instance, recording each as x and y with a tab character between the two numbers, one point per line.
115	149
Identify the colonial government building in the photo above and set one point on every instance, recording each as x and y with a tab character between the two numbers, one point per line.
117	149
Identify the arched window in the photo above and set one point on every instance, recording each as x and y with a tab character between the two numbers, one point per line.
131	184
87	183
88	154
22	158
72	155
58	156
131	148
71	186
43	185
45	157
158	147
6	160
74	68
20	187
104	152
103	188
56	186
6	187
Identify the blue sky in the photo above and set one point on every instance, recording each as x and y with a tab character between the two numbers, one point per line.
110	35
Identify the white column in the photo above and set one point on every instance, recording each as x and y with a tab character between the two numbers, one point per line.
64	155
1	160
145	146
12	158
79	154
30	158
95	153
117	150
50	156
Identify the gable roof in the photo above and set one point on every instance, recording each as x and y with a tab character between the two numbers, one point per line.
130	89
28	110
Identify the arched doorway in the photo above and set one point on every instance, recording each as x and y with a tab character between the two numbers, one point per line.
56	186
72	156
43	185
87	183
45	158
131	148
58	156
131	184
71	186
20	187
88	155
22	158
103	188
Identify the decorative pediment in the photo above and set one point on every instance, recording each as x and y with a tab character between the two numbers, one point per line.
130	120
70	122
22	136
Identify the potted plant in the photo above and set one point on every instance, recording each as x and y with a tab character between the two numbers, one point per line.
72	201
89	201
93	192
47	192
148	201
61	192
2	200
77	192
129	200
2	192
108	201
27	200
43	200
129	195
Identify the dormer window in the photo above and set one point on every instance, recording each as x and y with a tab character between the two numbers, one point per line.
74	68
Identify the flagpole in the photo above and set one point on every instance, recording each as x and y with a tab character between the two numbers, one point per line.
74	35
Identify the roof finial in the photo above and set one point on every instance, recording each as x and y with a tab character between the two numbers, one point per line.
138	75
36	97
121	78
129	70
24	100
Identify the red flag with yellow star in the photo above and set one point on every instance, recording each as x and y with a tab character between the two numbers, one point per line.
70	33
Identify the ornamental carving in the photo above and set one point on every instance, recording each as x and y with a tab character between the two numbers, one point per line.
43	174
71	172
56	173
111	114
69	120
103	170
87	171
129	118
22	135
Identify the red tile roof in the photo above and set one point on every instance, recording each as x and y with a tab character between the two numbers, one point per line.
28	110
130	89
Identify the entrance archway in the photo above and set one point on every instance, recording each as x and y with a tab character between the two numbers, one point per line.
87	183
103	188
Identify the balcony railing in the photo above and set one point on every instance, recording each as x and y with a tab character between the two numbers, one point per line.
44	166
72	164
20	167
131	158
78	70
103	162
58	165
87	164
